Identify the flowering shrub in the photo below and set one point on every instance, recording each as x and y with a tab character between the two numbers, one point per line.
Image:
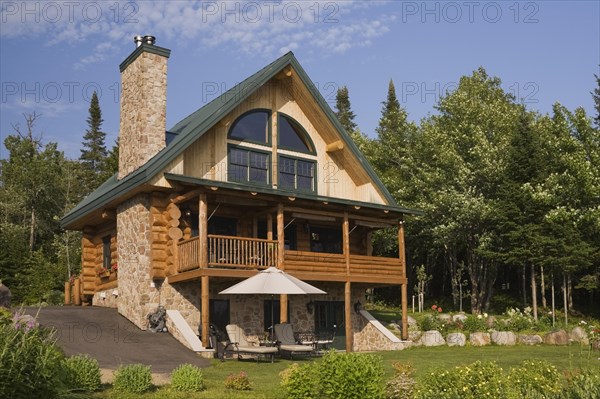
103	271
436	308
238	382
474	324
114	268
517	320
535	378
582	384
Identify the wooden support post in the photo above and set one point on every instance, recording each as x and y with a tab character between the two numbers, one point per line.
346	241
205	310
283	299
77	292
404	293
68	293
203	231
348	316
269	226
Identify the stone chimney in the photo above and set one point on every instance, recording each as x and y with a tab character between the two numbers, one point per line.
143	104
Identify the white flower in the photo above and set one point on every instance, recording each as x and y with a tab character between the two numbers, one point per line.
485	315
582	322
479	316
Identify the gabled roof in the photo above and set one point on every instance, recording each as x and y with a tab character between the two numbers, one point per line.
197	124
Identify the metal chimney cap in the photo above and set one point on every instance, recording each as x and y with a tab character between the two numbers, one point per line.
138	40
149	39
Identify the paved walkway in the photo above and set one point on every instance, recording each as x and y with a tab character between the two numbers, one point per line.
111	339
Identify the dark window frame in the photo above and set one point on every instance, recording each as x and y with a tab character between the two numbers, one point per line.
248	165
106	253
240	119
300	131
295	173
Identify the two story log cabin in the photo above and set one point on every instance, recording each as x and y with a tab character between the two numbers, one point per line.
264	175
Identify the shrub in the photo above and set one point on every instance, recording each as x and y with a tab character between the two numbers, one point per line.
133	378
477	380
535	378
83	373
238	382
517	320
30	362
402	385
474	324
350	375
429	323
582	384
300	382
187	378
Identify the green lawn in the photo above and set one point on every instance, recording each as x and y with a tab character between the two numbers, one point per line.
265	376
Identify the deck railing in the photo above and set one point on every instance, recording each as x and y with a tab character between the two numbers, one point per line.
257	253
241	252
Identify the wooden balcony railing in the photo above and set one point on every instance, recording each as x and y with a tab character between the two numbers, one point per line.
241	252
256	253
189	254
360	265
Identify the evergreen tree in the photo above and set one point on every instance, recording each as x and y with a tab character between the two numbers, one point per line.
94	148
110	166
596	97
343	111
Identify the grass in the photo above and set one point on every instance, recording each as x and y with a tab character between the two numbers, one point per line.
265	376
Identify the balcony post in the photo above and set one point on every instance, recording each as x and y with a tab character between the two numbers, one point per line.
283	299
404	295
203	231
205	310
348	286
348	316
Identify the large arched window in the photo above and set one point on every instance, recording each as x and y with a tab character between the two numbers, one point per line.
252	126
292	135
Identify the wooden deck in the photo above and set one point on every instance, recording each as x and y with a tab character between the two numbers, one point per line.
242	256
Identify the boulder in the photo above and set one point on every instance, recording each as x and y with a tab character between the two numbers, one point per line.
559	337
490	321
456	339
504	338
444	317
432	338
415	336
459	317
479	339
411	321
394	326
578	334
5	296
530	339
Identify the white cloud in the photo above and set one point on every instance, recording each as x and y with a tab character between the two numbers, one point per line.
250	27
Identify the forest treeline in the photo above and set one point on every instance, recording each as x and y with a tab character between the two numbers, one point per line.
510	199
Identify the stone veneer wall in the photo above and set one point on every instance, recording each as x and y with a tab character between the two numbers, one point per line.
368	338
143	111
109	300
137	297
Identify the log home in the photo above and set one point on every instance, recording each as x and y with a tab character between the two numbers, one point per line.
263	175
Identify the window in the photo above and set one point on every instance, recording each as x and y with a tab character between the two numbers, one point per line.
292	136
106	256
252	126
248	166
296	174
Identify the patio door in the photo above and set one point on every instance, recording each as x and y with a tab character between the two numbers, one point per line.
329	315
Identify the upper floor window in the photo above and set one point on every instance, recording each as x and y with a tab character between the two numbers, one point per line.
253	126
292	136
248	166
296	174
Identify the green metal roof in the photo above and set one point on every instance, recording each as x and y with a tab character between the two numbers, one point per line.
197	124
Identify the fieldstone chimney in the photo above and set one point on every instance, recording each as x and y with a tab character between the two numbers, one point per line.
143	104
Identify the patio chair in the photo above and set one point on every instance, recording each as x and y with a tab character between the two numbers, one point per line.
325	340
241	345
286	342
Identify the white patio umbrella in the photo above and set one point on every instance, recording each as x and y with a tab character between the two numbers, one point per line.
272	281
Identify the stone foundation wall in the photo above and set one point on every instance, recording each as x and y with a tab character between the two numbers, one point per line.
184	297
368	338
106	298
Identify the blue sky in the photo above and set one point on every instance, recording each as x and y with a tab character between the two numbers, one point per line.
53	54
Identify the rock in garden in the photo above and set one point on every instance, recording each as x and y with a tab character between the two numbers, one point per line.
459	317
394	326
578	334
559	337
456	339
504	338
445	317
490	321
479	339
411	321
530	339
432	338
5	296
415	336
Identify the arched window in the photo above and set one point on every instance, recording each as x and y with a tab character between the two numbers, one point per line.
292	135
252	126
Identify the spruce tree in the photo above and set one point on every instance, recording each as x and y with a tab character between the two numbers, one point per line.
596	97
94	151
343	111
